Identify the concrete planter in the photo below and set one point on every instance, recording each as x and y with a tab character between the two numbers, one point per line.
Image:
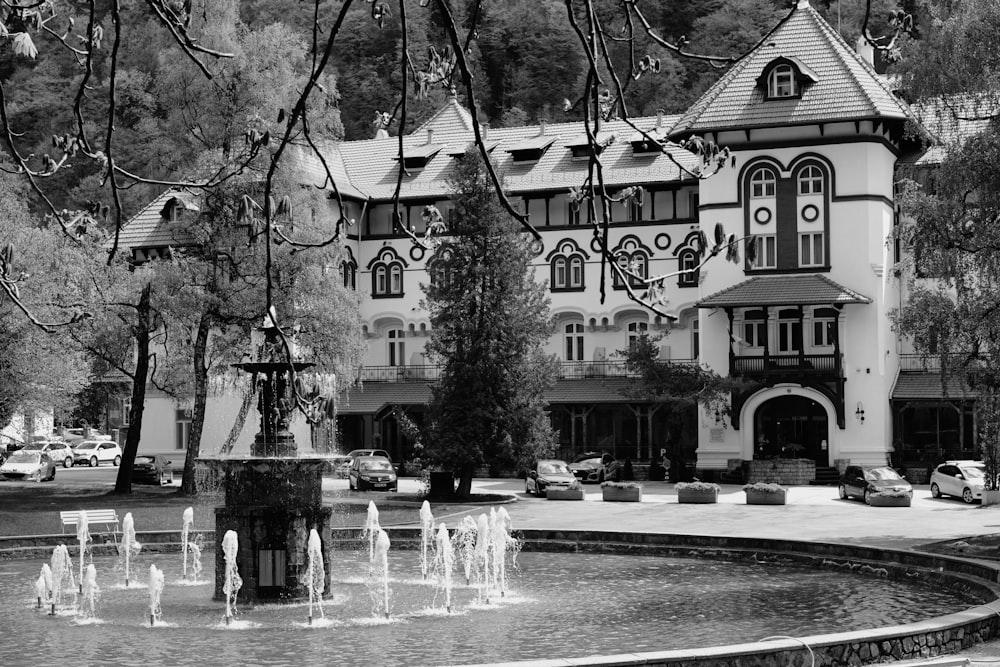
755	497
888	501
991	497
564	494
621	495
698	496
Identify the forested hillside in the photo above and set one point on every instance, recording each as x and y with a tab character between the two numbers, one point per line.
526	59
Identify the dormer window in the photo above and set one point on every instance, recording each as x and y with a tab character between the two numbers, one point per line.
173	210
580	146
785	77
417	157
531	150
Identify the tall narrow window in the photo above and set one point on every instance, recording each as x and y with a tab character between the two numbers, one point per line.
636	331
559	279
781	82
811	249
574	341
381	279
810	181
824	327
396	279
789	331
688	260
397	347
767	257
754	328
576	271
695	339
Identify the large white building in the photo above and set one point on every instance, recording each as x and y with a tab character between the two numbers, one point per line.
816	137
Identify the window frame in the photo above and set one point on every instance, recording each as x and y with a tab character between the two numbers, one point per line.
814	243
767	245
573	341
782	83
763	183
810	180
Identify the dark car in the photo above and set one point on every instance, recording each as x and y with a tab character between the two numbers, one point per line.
865	481
549	473
594	467
371	473
152	469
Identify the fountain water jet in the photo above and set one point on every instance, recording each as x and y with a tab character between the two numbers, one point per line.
371	529
62	575
426	536
380	574
129	546
187	520
481	558
316	574
90	593
465	542
232	581
82	536
155	591
43	586
443	559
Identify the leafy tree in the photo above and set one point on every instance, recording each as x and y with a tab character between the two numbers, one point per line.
678	388
489	322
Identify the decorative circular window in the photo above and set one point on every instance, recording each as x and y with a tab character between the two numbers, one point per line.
762	215
416	253
662	241
810	213
537	247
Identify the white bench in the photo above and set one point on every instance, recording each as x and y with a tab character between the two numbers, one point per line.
109	519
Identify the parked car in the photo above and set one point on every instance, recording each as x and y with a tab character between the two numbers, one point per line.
152	469
595	467
341	465
371	473
57	450
547	474
354	453
96	452
31	465
863	481
961	479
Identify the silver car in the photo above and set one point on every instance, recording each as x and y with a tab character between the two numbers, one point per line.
959	479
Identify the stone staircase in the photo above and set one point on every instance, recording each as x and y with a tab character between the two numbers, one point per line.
826	476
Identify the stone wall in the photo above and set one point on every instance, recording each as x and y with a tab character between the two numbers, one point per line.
791	472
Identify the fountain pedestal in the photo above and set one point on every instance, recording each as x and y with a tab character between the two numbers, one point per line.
274	496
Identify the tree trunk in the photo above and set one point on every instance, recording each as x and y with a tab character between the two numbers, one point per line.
143	326
188	485
464	489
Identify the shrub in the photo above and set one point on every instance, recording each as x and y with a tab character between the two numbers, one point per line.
698	486
764	487
622	485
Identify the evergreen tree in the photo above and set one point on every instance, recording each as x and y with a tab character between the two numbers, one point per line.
489	321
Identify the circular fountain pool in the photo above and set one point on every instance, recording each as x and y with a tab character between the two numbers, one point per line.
557	605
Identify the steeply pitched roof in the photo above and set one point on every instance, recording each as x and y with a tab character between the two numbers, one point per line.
848	88
149	229
927	387
786	290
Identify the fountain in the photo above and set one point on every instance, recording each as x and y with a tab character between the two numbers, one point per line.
129	546
316	574
273	497
465	541
443	557
187	521
43	585
426	535
231	581
90	593
82	536
371	529
379	577
62	575
155	591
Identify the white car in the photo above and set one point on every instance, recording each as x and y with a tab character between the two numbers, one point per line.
959	479
96	452
58	451
30	465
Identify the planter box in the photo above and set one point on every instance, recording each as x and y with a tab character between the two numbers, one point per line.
991	497
766	497
564	494
697	496
616	494
888	501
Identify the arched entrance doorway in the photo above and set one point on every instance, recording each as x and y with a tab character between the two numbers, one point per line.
792	427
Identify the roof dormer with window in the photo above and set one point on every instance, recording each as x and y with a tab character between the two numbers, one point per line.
785	77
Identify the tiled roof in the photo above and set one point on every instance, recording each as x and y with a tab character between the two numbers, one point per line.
451	118
310	166
786	290
372	163
952	120
374	396
847	87
915	386
149	229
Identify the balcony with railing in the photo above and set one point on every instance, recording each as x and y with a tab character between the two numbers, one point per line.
770	366
567	370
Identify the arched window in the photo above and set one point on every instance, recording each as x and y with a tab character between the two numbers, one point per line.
395	279
397	347
635	262
810	181
349	269
576	271
387	274
573	337
781	82
762	183
559	279
566	266
380	284
688	260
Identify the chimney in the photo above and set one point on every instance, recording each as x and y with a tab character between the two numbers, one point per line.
865	50
541	127
659	119
430	136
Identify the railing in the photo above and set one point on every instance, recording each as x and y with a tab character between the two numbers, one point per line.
783	364
567	370
929	362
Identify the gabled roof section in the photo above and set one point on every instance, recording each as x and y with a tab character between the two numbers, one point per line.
310	167
452	118
150	229
787	290
846	88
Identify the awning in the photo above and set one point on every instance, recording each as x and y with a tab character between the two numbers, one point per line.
785	290
927	387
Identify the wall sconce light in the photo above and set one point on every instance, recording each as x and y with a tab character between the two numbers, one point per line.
859	413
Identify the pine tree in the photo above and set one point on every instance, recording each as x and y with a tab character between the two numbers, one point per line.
489	322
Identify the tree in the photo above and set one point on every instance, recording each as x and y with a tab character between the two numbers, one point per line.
678	388
489	321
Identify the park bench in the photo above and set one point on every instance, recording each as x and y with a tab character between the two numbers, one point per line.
107	518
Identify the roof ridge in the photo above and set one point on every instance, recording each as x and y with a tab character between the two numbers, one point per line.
839	43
